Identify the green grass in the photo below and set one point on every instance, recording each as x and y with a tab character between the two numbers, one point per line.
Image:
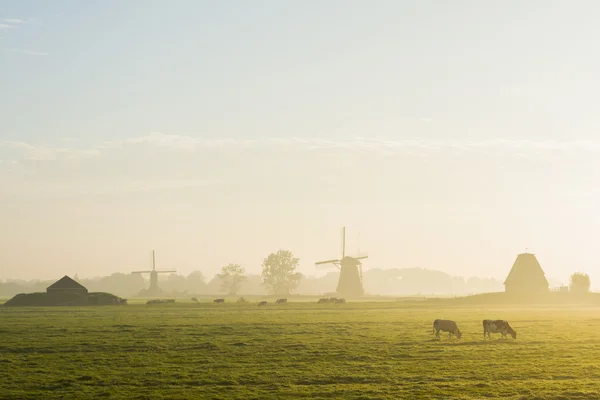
375	350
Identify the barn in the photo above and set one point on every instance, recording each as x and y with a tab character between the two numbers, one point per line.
65	292
66	285
526	276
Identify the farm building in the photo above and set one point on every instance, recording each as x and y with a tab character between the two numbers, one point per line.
526	276
65	292
66	285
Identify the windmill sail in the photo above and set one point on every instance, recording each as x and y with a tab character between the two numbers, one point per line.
343	242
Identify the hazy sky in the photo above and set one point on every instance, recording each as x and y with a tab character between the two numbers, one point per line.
449	135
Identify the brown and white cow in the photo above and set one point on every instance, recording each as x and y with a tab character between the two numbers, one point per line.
497	326
281	301
446	325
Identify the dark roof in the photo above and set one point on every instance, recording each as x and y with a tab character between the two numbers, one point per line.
66	283
526	269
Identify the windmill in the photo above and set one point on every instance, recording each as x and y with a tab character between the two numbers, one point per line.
350	282
153	290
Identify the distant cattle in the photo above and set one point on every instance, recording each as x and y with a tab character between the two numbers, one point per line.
160	301
195	300
497	326
323	301
333	300
446	325
262	303
340	301
281	301
219	301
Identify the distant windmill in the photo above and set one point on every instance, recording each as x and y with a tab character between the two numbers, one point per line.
153	290
350	282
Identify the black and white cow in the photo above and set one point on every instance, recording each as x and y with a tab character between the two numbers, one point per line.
446	325
497	326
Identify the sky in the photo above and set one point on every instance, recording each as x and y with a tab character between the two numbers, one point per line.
443	135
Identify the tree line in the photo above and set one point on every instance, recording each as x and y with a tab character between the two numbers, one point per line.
279	276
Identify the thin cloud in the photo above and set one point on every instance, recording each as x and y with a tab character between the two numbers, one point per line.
78	188
10	23
380	145
376	143
29	52
7	23
44	153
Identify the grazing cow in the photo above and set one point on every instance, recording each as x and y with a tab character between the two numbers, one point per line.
446	325
497	326
340	301
323	301
281	301
160	301
219	301
262	303
195	300
333	300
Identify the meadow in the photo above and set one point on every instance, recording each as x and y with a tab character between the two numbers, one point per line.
359	350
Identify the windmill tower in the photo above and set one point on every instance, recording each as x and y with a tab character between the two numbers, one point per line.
350	282
153	290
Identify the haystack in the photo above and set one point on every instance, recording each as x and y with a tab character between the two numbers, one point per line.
526	276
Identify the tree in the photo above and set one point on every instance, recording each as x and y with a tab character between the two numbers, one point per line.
278	272
196	277
196	282
231	277
580	282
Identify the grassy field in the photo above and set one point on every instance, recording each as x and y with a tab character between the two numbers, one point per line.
375	350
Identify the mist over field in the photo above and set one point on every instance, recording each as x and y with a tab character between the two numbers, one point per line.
392	282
